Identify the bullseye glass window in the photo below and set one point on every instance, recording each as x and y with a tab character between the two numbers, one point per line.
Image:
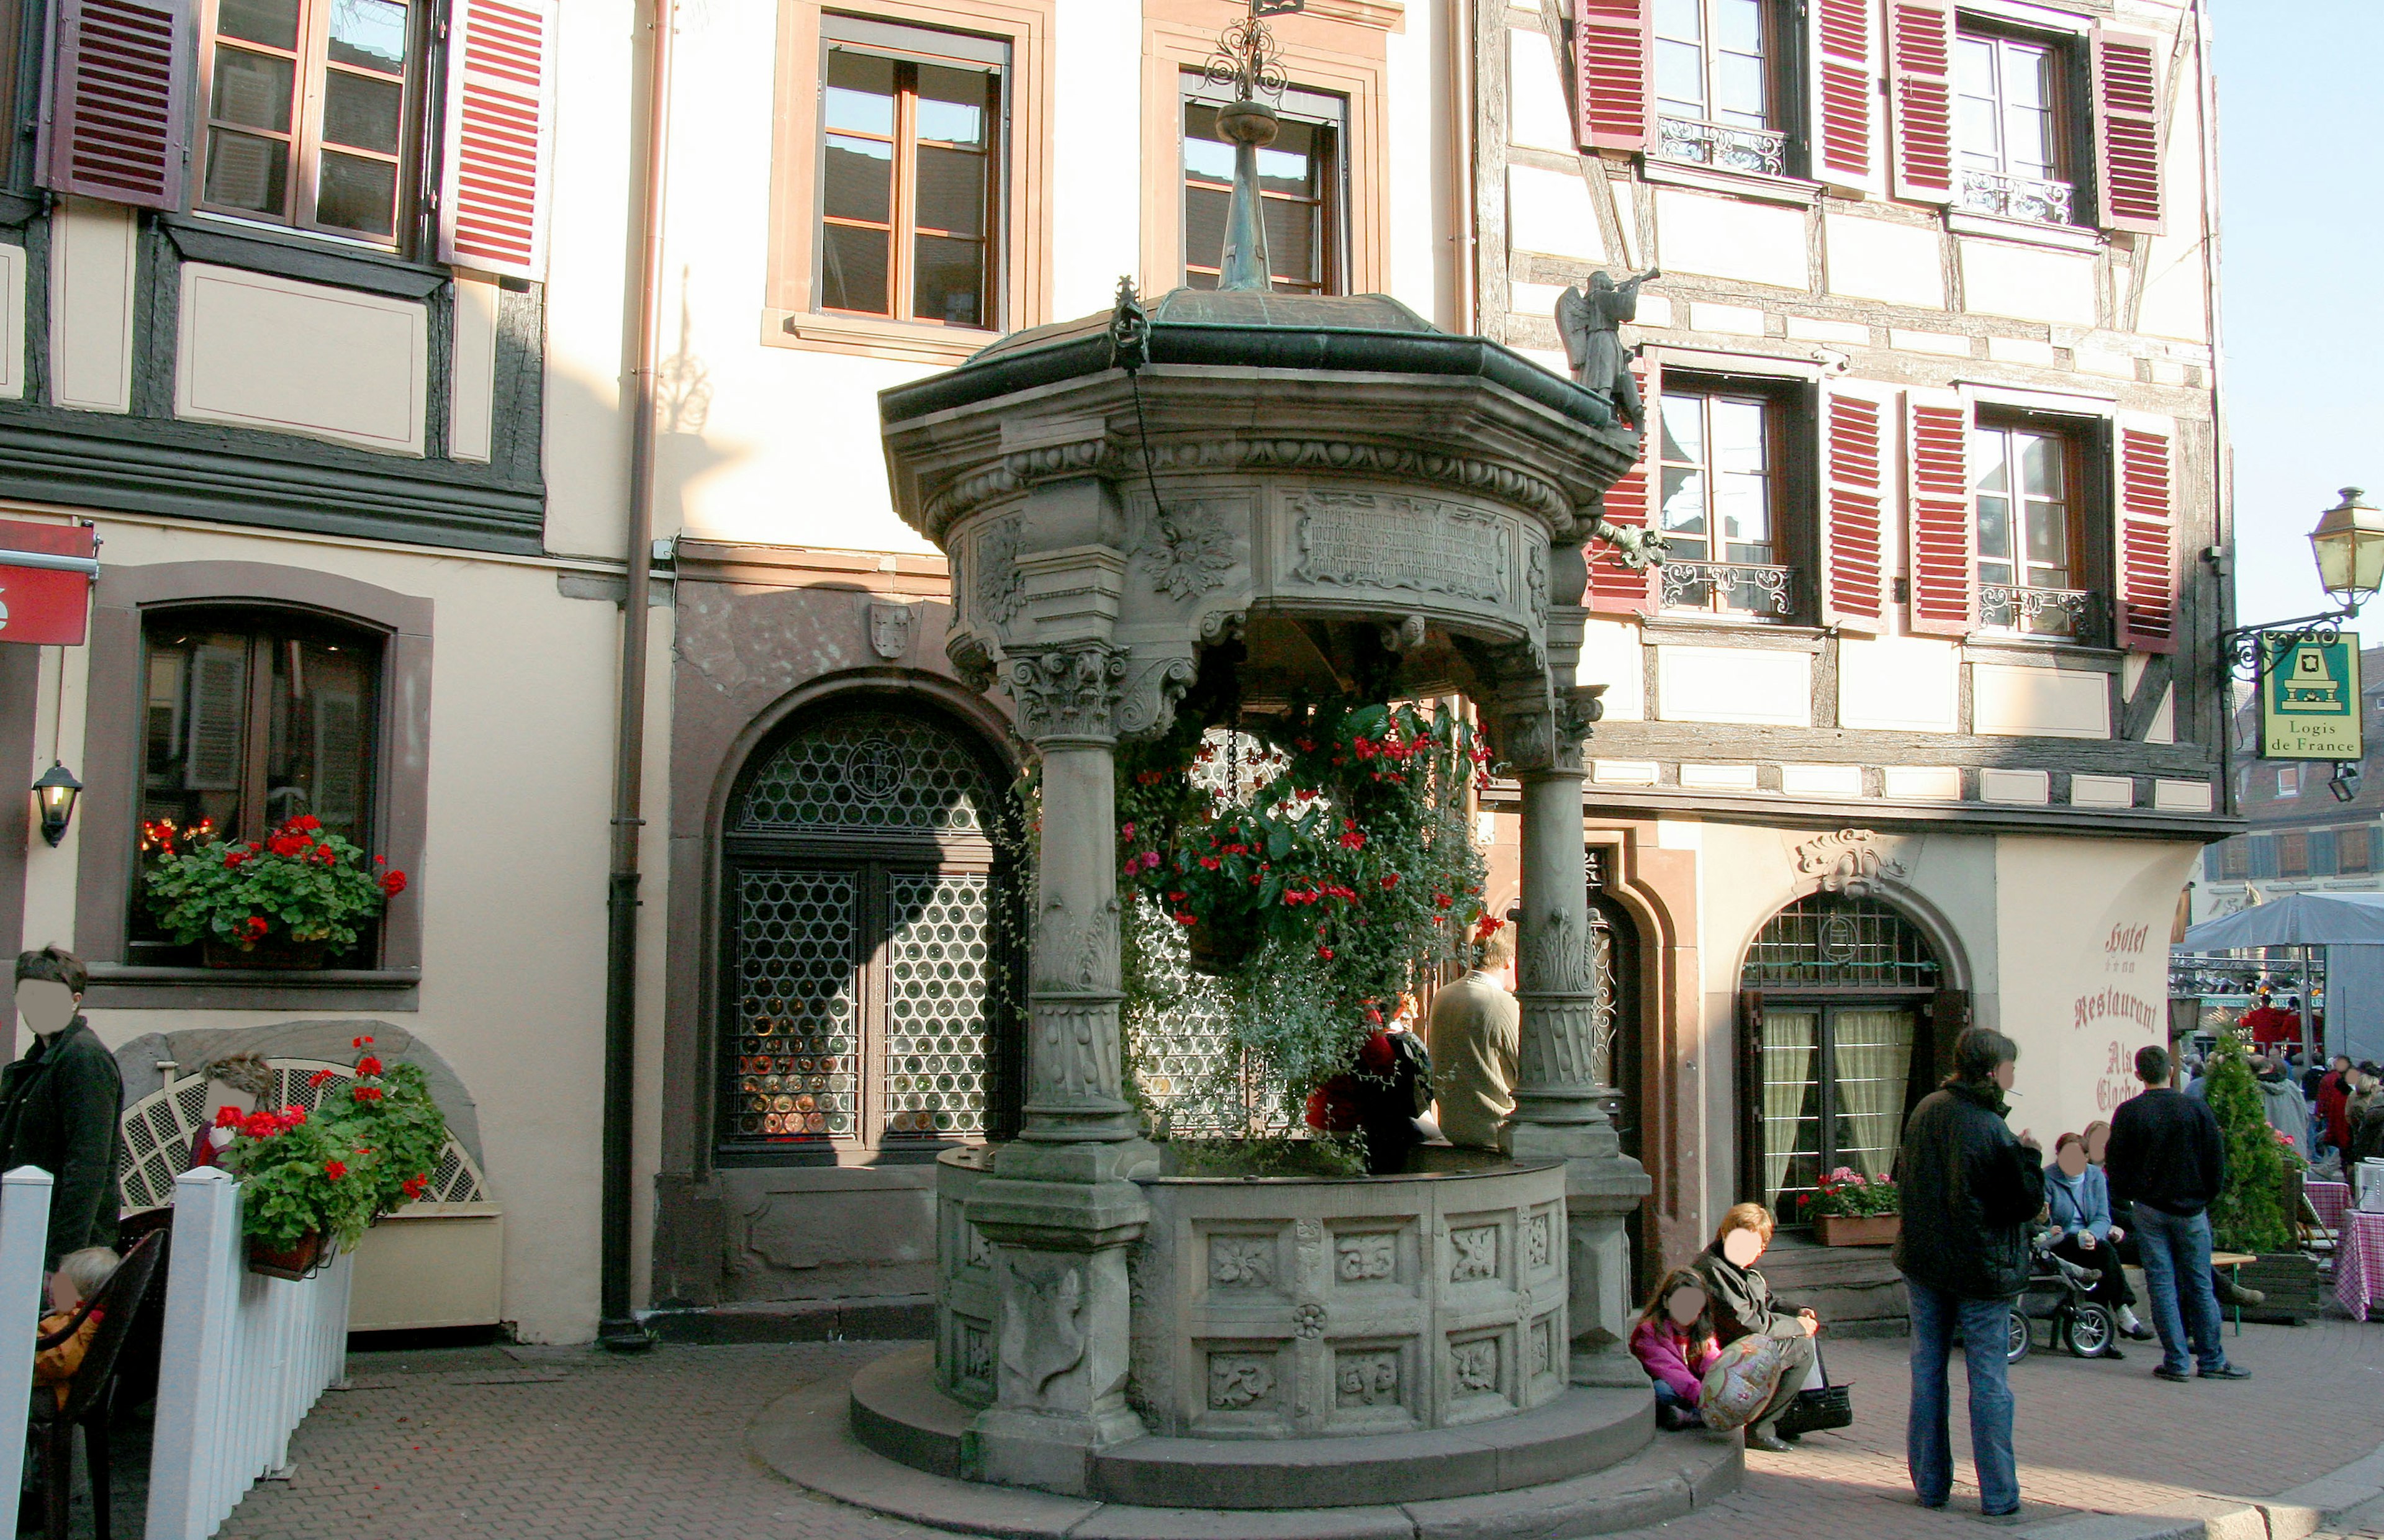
866	982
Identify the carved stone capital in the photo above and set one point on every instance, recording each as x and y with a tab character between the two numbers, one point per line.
1849	861
1068	691
1545	735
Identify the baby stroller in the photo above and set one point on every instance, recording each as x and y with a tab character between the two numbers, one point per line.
2056	1292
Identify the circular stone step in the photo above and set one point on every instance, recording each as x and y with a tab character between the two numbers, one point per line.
806	1439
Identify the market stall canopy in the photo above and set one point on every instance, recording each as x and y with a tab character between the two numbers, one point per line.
2295	919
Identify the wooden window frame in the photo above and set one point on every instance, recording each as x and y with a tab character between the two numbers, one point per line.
313	68
1792	445
2292	853
1337	50
1021	255
2087	496
2073	113
1332	202
1780	47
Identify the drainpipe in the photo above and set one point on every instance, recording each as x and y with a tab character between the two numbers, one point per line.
2222	459
617	1328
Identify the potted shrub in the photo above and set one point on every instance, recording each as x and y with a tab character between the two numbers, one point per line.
314	1184
2253	1211
1849	1208
293	900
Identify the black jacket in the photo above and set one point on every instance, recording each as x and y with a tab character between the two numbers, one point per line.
58	1111
2165	1150
1969	1191
1742	1305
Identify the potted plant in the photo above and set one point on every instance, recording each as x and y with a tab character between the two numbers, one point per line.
1849	1208
314	1183
2253	1211
292	901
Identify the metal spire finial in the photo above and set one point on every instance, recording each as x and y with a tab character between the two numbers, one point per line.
1248	59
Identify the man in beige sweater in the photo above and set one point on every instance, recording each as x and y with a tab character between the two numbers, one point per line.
1473	1037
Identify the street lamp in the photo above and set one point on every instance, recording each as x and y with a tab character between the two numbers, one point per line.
56	793
2349	545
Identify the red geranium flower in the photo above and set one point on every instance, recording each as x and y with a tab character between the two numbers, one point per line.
358	1042
392	882
1325	952
260	1125
413	1185
366	1093
368	1065
227	1117
256	926
335	1169
319	1076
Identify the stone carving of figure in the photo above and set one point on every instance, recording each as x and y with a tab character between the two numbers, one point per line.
1591	326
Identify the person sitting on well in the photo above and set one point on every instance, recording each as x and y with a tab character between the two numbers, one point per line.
79	1276
1674	1342
1742	1305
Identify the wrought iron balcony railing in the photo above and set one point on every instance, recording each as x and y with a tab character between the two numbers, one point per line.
2073	613
1762	151
2043	203
1731	588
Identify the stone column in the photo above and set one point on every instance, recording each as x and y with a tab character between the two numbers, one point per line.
1061	1207
1565	1065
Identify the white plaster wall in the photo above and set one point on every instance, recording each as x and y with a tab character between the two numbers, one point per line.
1096	235
1422	272
1550	212
1899	684
12	323
2003	279
2175	272
1724	684
1717	236
2038	702
257	350
1538	115
1611	656
91	305
1882	259
511	890
474	370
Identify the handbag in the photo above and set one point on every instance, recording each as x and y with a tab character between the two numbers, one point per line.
1739	1384
1817	1409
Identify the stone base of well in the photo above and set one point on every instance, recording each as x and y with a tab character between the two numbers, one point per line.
1589	1464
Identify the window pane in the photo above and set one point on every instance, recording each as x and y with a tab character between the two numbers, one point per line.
1204	226
1738	96
1681	78
859	93
370	33
952	106
855	276
245	171
1289	164
2040	464
197	731
1204	155
1738	435
318	754
271	22
1680	19
355	194
859	183
1684	428
1974	67
252	90
362	112
2048	537
1988	471
2027	142
952	190
1684	511
1291	239
951	286
2028	75
1738	26
1994	529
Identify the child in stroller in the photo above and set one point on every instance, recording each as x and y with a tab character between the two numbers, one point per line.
2058	1292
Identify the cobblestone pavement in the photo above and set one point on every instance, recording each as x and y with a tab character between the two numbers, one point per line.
552	1444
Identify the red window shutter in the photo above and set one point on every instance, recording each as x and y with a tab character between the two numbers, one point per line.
500	130
1843	91
1941	537
117	120
2146	543
2127	131
1613	587
1613	41
1854	466
1920	66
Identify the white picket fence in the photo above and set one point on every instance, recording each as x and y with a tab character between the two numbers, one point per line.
24	1236
245	1358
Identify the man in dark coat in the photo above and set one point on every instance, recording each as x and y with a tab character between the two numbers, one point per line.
59	1105
1969	1191
2167	1158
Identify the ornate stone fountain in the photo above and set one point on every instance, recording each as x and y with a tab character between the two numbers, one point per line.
1319	493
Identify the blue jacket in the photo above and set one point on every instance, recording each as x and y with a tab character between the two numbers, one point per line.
2085	1204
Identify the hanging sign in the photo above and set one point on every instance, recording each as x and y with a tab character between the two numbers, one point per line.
2309	699
45	577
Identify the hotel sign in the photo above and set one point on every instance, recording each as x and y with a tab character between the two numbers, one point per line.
2309	699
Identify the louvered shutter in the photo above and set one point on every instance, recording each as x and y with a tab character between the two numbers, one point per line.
1613	587
2127	131
1854	522
500	133
1940	536
1613	42
1920	68
116	125
1843	91
2145	540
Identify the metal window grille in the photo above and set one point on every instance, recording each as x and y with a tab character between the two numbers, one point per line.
868	772
1828	941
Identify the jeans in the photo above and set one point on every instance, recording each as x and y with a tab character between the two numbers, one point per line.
2177	1271
1985	1327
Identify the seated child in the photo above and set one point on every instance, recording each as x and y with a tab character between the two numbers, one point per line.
1675	1343
79	1276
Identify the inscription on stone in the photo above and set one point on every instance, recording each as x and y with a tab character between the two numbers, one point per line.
1365	1258
1385	541
1366	1378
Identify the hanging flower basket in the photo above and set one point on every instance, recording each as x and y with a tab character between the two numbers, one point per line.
297	1262
1221	944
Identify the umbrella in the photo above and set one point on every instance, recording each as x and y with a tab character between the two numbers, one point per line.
2295	919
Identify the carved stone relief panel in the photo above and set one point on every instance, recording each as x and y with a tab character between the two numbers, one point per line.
1244	1381
1367	1377
1541	1346
1366	1257
973	1356
1473	1254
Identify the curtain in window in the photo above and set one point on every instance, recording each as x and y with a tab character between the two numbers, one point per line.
1792	1065
1873	1058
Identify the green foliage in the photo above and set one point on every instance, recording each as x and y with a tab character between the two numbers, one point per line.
2249	1213
301	883
1847	1192
367	1150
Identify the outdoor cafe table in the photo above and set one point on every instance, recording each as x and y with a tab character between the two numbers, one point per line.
2359	1262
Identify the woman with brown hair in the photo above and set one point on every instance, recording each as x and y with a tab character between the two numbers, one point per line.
1742	1305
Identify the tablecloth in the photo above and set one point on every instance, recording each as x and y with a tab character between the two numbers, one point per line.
2329	1198
2359	1262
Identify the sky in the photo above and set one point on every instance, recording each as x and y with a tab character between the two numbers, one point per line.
2300	233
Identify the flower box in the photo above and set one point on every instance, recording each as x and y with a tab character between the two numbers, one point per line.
1857	1229
296	1263
279	957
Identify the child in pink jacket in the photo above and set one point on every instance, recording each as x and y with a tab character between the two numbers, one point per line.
1675	1343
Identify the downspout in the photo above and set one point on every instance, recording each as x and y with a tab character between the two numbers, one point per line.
1463	282
617	1328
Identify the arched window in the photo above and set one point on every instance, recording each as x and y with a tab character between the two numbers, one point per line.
1841	1003
866	979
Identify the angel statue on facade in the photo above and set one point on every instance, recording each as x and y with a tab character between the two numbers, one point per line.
1591	325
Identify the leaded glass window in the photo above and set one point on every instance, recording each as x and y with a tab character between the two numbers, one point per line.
1828	941
868	988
